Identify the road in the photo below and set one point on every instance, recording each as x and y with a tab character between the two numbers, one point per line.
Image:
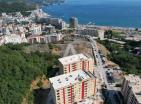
102	71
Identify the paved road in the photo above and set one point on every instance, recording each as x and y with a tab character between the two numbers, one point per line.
102	71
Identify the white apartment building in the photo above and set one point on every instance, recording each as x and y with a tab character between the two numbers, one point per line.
13	38
131	89
75	62
35	29
72	87
101	34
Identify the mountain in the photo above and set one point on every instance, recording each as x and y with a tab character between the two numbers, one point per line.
46	2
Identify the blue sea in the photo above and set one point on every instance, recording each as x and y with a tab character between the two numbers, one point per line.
123	13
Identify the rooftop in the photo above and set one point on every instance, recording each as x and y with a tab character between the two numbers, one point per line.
135	83
67	79
137	91
133	79
72	59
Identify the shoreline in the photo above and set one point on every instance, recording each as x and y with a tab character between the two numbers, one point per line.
111	27
95	25
102	15
84	24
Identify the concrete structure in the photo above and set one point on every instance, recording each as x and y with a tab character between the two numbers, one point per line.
36	39
72	87
73	22
131	89
44	38
75	62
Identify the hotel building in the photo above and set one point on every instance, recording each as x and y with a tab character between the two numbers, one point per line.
131	89
72	87
75	62
73	22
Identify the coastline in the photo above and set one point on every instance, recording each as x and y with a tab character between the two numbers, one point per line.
95	25
101	14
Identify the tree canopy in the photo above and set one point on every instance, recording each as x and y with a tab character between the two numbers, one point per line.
120	55
19	69
15	7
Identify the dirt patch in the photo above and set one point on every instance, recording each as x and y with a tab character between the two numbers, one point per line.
37	47
79	45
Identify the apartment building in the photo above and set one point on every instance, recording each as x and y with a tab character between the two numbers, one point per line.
35	29
44	38
91	31
36	39
131	89
72	87
73	22
13	38
87	31
75	62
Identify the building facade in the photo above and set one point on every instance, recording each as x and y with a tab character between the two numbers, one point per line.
36	39
72	87
13	39
79	61
131	89
87	31
91	31
57	22
35	29
73	22
44	38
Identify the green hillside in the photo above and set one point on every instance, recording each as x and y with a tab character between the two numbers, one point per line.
15	6
18	69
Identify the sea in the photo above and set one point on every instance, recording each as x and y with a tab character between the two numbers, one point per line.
121	13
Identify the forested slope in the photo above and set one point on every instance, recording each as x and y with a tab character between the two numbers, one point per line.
19	69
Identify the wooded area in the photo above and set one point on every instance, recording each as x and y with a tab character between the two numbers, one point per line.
18	69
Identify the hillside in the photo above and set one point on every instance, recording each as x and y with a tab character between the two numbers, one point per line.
19	69
15	6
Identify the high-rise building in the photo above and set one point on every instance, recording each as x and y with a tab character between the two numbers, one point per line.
131	89
76	62
73	22
101	34
72	87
